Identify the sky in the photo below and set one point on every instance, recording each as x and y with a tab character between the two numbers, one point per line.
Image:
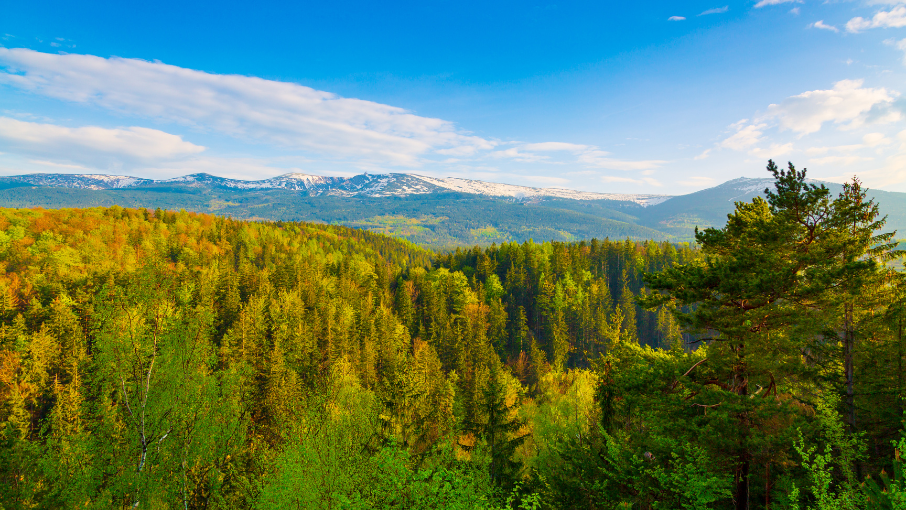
621	97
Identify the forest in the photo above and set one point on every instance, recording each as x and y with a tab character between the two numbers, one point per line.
162	359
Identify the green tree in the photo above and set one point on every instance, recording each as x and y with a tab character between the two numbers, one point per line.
760	298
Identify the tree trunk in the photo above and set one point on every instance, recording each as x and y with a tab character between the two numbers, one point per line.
742	482
848	346
741	496
900	398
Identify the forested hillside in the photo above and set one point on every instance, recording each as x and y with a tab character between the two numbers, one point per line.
439	220
162	359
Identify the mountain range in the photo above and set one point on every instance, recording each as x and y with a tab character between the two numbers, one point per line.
436	212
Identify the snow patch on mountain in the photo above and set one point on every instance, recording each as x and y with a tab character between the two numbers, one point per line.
381	185
511	190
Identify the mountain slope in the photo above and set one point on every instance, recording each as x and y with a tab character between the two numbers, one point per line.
709	207
382	185
440	213
439	219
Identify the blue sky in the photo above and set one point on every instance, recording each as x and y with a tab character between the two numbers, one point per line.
597	96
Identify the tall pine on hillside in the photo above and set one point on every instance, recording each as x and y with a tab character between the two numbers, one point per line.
763	297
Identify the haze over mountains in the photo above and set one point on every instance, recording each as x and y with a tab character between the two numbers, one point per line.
436	212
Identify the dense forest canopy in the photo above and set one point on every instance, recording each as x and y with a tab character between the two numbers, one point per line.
162	359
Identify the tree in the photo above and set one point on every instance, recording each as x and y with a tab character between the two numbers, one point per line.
762	298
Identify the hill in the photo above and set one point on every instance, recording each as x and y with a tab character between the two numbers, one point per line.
680	215
438	213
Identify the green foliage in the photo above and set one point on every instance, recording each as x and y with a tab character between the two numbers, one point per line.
841	452
170	359
890	494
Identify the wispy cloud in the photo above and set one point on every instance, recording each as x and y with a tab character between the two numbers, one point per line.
900	45
675	18
555	146
249	108
716	10
894	18
93	146
588	155
823	26
516	154
644	180
765	3
745	137
869	141
848	105
602	159
774	151
54	164
838	160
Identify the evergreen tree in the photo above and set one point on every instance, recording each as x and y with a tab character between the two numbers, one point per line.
759	296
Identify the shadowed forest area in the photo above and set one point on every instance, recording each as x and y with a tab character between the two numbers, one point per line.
159	359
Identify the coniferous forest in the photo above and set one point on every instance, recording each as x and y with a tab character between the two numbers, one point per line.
160	359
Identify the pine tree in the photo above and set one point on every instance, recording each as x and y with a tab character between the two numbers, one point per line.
762	290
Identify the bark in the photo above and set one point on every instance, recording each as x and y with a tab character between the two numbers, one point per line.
900	364
741	496
742	482
848	347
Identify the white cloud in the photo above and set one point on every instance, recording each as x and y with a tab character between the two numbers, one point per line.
585	154
875	139
774	151
703	155
765	3
515	154
716	10
600	159
93	146
900	45
645	180
820	24
280	113
794	11
462	150
745	137
894	18
675	18
891	171
58	165
869	141
847	104
817	151
555	146
838	160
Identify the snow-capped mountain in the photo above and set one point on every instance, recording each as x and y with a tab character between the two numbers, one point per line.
380	185
80	181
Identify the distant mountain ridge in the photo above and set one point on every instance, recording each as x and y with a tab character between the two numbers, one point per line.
709	207
368	185
438	213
